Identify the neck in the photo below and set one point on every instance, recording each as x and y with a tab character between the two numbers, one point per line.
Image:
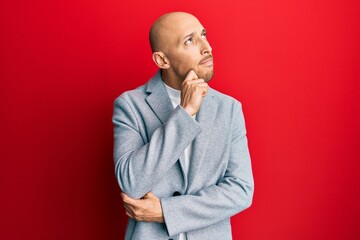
171	80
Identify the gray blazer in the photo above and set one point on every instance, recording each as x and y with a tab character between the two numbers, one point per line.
149	141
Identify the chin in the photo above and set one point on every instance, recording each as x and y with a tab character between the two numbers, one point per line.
208	76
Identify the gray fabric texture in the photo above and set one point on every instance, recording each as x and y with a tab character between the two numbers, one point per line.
149	141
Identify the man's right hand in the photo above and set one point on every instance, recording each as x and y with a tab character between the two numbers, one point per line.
192	92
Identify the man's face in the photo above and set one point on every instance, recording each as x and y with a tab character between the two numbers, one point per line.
187	48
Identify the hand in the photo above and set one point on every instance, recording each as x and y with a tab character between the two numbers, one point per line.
192	92
146	209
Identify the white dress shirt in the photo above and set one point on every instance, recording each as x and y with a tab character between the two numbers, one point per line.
175	96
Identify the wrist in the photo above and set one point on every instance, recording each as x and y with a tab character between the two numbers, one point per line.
189	110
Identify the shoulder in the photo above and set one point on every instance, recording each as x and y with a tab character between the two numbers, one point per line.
135	95
139	94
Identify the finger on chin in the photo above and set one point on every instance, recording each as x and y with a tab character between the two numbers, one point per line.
191	75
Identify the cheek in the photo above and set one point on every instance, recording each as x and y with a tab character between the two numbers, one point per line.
183	62
188	62
184	65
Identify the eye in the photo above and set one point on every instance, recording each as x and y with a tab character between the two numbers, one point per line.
203	35
188	41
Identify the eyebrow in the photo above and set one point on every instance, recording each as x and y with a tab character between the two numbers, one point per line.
192	34
189	35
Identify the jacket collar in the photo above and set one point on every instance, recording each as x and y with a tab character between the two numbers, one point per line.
160	103
158	99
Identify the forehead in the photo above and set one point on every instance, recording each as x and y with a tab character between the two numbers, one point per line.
183	25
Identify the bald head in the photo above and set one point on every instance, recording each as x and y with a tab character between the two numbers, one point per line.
161	30
179	44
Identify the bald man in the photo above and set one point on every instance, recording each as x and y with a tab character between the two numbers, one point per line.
180	147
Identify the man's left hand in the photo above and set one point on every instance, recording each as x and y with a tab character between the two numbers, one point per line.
146	209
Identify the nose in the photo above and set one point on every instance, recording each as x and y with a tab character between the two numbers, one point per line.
205	47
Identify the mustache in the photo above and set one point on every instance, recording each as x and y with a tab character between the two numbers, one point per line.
206	58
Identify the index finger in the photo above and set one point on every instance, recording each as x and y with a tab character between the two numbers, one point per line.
191	75
126	198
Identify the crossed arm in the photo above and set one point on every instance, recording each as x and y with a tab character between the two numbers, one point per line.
146	209
137	174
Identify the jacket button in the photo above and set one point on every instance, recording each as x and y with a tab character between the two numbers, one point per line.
176	194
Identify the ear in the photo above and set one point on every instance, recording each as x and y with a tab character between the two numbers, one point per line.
161	60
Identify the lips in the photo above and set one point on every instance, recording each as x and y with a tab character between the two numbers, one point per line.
207	61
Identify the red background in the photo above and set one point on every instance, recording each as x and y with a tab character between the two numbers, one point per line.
295	66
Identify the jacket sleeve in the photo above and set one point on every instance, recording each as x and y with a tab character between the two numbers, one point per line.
139	165
233	192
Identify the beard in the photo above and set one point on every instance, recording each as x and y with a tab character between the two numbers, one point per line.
207	76
202	72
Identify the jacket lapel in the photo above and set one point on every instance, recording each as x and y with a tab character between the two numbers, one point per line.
206	119
160	103
158	98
